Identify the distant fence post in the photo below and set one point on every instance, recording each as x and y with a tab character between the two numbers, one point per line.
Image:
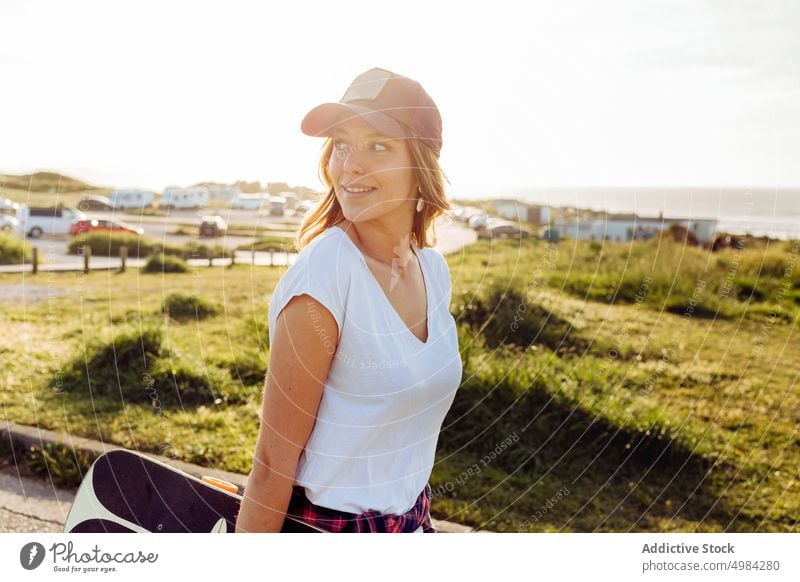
87	253
233	257
211	260
123	257
35	260
271	254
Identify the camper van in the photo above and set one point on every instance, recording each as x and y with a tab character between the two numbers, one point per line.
292	199
249	201
277	205
35	221
184	198
224	192
121	199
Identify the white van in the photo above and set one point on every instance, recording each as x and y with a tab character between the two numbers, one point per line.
292	199
249	201
277	205
184	198
36	221
121	199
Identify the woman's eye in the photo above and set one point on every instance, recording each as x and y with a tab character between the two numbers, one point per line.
380	146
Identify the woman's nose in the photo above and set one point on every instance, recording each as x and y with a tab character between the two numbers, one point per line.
352	162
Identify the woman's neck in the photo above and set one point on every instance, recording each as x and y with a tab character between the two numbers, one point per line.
390	248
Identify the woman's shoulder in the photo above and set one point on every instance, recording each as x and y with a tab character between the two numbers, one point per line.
325	261
327	249
321	270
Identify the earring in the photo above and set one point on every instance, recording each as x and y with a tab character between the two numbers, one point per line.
419	204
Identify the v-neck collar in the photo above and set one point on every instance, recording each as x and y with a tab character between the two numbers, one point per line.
386	299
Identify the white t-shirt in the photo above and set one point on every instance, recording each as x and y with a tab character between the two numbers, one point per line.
387	393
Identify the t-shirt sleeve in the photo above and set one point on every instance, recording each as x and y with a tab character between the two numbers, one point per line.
443	275
317	273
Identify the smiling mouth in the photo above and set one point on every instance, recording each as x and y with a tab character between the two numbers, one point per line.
358	191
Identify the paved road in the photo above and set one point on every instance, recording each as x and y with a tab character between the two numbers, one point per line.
28	505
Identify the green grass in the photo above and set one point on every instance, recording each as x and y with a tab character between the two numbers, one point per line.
631	415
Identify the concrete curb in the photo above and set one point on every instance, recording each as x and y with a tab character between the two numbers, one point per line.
30	436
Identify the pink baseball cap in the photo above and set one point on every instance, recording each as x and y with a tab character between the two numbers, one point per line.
393	104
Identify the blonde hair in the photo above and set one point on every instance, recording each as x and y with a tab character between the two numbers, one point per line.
327	211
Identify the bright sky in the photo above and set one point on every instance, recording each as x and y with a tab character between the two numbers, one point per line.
660	93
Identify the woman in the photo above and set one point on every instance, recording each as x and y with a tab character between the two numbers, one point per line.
364	360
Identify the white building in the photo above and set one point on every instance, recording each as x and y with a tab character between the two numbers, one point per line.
517	211
623	228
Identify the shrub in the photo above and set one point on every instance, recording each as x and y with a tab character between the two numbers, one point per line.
188	384
748	288
14	251
270	243
134	368
118	367
162	263
248	368
768	264
107	244
508	316
182	307
195	250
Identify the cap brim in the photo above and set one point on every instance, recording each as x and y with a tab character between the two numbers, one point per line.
323	120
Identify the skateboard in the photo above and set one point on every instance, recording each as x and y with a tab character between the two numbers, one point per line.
125	492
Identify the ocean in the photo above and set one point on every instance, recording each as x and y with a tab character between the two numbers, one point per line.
760	211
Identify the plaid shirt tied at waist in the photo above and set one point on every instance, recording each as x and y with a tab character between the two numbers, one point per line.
336	521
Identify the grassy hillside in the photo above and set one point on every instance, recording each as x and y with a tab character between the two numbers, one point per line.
588	402
49	182
46	189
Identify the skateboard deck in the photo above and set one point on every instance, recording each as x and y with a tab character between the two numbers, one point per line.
125	491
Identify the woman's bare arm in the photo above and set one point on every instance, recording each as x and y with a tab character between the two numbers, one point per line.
299	361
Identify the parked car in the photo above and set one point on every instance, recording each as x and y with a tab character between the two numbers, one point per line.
7	206
121	199
292	199
35	221
464	213
302	207
8	223
504	230
212	226
95	203
104	224
249	201
478	221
